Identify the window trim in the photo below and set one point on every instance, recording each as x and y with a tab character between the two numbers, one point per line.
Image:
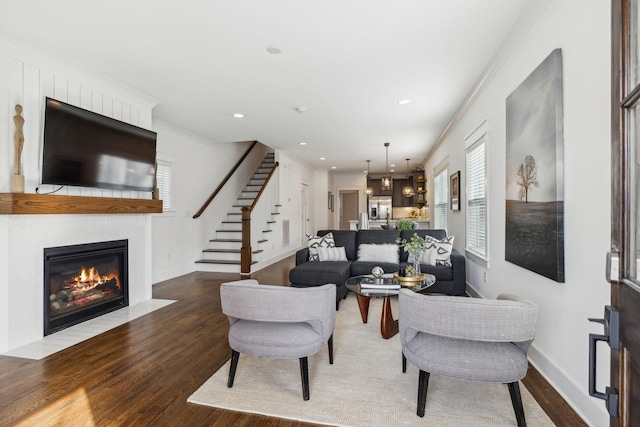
472	141
441	171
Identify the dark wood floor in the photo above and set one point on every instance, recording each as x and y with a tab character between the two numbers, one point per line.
142	373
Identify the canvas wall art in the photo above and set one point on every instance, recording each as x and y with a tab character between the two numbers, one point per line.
534	234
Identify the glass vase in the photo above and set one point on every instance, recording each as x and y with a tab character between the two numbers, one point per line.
416	268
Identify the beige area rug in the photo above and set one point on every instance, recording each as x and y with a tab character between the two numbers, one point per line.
364	387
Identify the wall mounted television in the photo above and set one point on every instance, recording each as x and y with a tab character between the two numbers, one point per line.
82	148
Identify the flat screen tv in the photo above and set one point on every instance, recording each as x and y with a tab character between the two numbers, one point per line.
86	149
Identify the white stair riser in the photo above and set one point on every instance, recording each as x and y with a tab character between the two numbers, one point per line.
231	227
224	245
218	268
222	256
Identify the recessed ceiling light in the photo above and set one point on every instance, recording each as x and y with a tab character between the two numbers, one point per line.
238	115
404	101
392	170
302	143
322	158
334	167
392	166
273	50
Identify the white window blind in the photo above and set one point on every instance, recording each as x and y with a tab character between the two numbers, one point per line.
163	178
441	200
476	200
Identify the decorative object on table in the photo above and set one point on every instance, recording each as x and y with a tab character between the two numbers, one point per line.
415	246
455	191
377	272
404	224
17	179
534	228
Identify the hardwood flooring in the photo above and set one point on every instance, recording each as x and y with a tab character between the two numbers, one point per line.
142	373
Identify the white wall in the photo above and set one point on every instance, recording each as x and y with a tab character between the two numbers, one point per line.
198	166
582	31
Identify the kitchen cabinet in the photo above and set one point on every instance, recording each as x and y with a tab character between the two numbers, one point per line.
400	200
376	184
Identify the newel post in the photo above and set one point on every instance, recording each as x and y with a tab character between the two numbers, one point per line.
245	250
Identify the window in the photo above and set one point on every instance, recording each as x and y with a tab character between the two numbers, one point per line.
441	199
163	180
477	199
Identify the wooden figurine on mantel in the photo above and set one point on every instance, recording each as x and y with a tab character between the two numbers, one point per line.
17	179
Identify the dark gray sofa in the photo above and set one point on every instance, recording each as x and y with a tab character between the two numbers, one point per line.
449	280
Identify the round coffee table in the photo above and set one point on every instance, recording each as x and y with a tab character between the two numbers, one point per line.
367	287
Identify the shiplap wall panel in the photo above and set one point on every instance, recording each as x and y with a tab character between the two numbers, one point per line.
61	89
32	105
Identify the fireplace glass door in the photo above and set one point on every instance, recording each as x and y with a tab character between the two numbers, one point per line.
83	281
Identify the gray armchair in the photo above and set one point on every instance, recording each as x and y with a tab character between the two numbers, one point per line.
278	322
469	338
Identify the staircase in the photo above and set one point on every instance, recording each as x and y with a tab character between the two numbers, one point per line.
223	252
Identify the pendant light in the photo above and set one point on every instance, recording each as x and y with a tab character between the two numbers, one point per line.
369	189
407	190
386	180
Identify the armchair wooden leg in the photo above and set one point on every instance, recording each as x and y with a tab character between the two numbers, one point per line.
516	400
234	364
330	344
423	384
304	373
404	363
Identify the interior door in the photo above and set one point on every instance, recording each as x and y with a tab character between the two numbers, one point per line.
625	181
348	208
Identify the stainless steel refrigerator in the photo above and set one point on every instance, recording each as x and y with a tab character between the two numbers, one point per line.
379	206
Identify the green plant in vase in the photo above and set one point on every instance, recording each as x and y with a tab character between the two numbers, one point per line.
404	224
415	246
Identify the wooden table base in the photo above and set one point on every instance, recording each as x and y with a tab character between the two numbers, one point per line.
388	326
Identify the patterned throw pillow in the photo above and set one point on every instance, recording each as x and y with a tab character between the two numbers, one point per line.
316	242
332	254
442	247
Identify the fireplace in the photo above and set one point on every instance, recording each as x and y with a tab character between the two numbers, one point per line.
84	281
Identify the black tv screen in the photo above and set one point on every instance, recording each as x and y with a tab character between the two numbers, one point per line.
86	149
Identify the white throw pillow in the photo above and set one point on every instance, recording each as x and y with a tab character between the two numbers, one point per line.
332	254
316	242
428	257
386	252
442	249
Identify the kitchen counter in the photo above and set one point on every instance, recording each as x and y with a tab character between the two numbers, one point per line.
423	224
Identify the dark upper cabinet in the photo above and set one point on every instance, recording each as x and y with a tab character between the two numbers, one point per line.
376	184
400	200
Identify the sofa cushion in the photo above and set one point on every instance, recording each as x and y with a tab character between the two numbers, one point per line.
346	238
320	273
377	236
359	268
332	254
315	242
386	252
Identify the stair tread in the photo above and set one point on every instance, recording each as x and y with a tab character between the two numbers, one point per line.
220	261
227	240
229	251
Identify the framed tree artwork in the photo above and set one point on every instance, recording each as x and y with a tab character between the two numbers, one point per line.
534	223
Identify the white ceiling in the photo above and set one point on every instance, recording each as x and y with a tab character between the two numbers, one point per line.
346	62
